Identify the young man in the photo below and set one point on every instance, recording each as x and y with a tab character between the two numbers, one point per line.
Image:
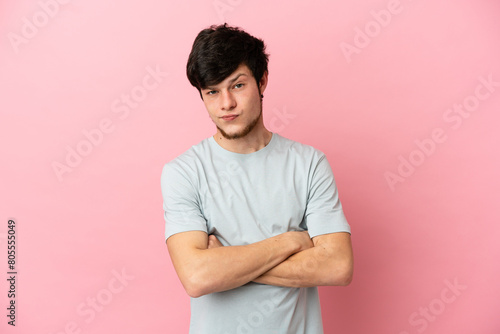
253	220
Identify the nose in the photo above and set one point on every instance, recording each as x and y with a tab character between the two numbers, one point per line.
228	102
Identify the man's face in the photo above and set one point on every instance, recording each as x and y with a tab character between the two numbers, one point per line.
235	105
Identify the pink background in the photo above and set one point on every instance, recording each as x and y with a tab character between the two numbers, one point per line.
436	225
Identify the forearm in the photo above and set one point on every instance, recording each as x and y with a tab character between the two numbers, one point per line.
224	268
324	264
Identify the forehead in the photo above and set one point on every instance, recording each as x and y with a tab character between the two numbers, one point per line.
242	72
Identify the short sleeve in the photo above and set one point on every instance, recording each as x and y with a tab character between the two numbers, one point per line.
324	212
180	202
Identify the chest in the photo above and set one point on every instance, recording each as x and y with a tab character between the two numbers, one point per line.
245	204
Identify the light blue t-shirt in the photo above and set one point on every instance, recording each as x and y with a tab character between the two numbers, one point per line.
245	198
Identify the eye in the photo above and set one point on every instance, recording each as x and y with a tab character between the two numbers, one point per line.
238	85
211	92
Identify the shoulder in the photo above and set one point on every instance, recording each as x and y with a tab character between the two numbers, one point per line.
192	155
188	162
297	149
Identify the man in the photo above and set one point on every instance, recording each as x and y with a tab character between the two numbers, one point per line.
253	220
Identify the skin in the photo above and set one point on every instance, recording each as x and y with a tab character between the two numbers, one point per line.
239	94
291	259
328	262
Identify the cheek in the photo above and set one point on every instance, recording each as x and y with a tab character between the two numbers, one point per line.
212	117
256	104
250	102
210	109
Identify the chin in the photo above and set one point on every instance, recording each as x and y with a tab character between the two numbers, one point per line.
235	135
238	131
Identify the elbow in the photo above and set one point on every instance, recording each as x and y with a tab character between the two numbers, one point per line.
196	286
193	292
342	274
345	279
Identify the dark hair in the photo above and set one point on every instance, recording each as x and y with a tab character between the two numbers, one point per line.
219	50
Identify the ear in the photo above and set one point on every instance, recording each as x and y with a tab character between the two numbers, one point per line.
263	83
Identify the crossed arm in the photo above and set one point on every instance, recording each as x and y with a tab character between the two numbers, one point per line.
290	259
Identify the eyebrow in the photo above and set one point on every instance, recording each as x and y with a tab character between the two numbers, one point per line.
236	78
230	81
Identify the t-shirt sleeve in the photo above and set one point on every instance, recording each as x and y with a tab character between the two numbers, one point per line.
324	212
180	202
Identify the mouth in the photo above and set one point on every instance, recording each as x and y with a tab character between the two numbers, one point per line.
229	117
